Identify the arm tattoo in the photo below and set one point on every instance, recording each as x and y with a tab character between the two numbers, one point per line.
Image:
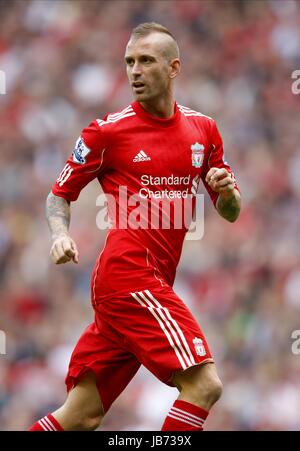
230	207
58	215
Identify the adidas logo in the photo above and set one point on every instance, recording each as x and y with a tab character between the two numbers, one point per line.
141	156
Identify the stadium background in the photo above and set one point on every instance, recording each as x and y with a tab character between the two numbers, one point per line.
64	66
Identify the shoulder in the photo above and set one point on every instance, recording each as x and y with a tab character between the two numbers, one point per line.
199	120
113	120
97	134
197	115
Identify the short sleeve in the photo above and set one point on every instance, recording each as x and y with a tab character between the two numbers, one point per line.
87	161
215	159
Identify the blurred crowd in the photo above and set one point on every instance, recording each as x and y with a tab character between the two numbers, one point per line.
64	66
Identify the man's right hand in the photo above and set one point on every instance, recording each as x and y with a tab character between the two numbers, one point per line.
63	250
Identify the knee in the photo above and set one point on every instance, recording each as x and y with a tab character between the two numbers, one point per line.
208	392
213	390
204	391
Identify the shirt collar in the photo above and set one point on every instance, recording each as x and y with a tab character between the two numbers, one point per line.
139	110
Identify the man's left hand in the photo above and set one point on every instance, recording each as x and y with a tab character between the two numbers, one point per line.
220	180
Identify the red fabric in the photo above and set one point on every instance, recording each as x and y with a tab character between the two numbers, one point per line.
36	427
46	424
152	327
184	416
176	154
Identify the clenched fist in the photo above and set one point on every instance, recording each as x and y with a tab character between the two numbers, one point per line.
63	250
220	180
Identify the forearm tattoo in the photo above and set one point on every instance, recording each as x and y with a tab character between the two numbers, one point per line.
58	215
229	208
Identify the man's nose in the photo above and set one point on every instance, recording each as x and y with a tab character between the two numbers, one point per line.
136	69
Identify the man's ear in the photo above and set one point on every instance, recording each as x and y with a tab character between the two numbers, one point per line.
174	68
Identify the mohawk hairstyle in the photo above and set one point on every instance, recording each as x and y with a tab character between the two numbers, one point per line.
144	29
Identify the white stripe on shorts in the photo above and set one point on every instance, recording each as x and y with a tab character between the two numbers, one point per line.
187	348
146	299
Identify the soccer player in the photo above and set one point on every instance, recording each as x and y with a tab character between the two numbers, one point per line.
157	150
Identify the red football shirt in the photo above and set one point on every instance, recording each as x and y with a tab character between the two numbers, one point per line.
137	156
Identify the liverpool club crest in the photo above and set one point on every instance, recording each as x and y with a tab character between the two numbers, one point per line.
199	346
197	154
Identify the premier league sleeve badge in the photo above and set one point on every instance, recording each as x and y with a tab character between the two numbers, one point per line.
80	151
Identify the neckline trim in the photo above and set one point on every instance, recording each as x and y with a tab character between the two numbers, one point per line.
147	117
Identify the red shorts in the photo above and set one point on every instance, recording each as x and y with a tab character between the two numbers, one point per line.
150	327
